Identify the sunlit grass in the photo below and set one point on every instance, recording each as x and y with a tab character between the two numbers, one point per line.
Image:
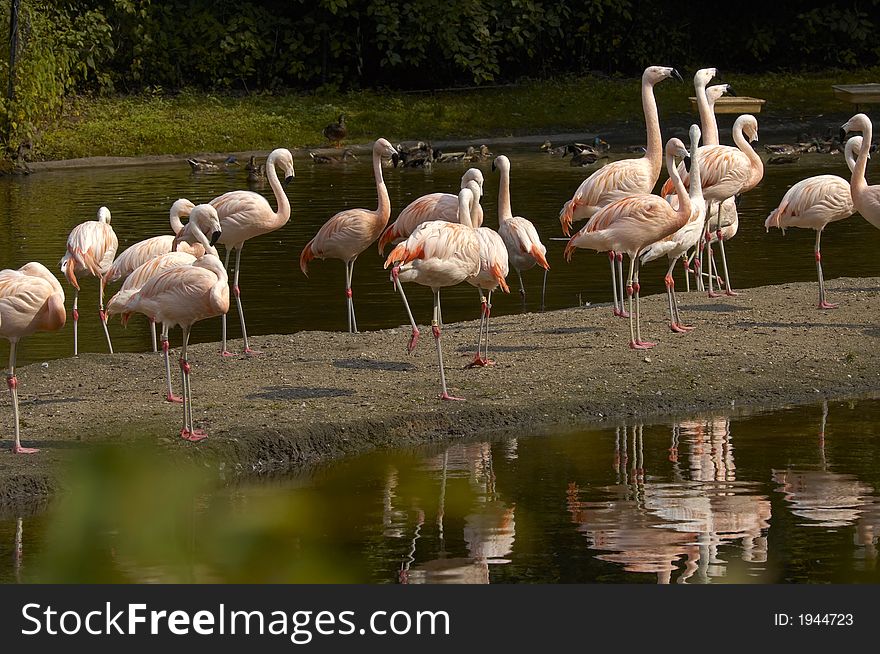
192	122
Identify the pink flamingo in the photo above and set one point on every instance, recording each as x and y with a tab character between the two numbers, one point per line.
866	199
434	206
191	239
814	202
621	178
676	245
524	246
632	224
351	231
91	247
494	267
245	215
31	300
183	296
437	254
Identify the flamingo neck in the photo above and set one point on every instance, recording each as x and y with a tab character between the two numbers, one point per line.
654	149
384	211
504	212
465	207
708	122
283	213
176	223
684	201
757	166
859	184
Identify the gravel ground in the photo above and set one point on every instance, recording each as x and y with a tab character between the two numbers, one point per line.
312	396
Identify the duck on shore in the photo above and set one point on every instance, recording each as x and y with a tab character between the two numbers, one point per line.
206	165
335	132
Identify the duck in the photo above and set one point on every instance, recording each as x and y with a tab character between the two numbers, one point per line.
420	155
478	154
582	155
784	158
255	172
335	132
319	158
547	147
206	165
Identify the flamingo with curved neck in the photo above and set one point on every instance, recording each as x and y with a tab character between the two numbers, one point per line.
633	223
866	199
244	215
351	231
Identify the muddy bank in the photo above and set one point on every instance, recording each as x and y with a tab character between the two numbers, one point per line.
312	396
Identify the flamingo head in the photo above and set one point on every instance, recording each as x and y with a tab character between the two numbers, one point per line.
283	159
703	76
854	146
654	74
675	148
501	163
749	125
384	149
181	208
858	123
472	175
104	215
717	90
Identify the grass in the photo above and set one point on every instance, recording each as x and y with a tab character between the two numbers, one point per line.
192	122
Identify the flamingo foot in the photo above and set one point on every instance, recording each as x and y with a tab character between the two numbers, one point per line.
171	397
641	345
18	449
713	294
413	341
730	292
447	396
623	314
226	353
678	329
251	352
193	436
686	328
480	362
828	305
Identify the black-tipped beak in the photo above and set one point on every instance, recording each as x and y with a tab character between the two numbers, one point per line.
677	75
395	159
730	91
215	237
494	168
842	135
288	179
687	164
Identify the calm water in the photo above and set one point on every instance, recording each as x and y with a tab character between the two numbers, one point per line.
785	496
39	211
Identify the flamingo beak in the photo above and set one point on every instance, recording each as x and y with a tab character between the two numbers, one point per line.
215	237
494	168
677	75
395	159
687	163
730	91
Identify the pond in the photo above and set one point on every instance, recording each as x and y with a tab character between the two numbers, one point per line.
790	495
40	210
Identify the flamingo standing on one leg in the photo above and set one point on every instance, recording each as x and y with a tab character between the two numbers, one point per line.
494	268
139	253
433	206
245	215
183	296
814	202
725	173
350	232
866	199
437	254
677	244
524	246
621	178
91	247
31	300
632	224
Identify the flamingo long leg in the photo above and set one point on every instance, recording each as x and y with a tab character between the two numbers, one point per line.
348	294
103	316
643	345
414	337
823	304
169	391
223	351
76	323
488	315
676	324
687	272
728	289
153	334
629	294
544	289
353	325
619	257
478	357
189	432
616	310
435	328
522	289
12	384
237	291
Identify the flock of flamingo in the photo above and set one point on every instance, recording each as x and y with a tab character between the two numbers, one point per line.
177	279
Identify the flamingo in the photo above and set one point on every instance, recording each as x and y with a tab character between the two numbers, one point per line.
434	206
494	266
677	244
139	253
246	214
632	224
726	172
621	178
351	231
183	296
31	300
91	247
437	254
524	246
814	202
866	199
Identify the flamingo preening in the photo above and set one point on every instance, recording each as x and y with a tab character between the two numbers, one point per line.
183	295
31	300
814	202
433	206
352	231
677	244
632	224
246	214
437	254
620	178
524	247
91	247
866	199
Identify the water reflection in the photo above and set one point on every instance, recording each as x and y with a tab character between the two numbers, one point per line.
764	498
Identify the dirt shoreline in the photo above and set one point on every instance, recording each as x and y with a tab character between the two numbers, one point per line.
313	396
